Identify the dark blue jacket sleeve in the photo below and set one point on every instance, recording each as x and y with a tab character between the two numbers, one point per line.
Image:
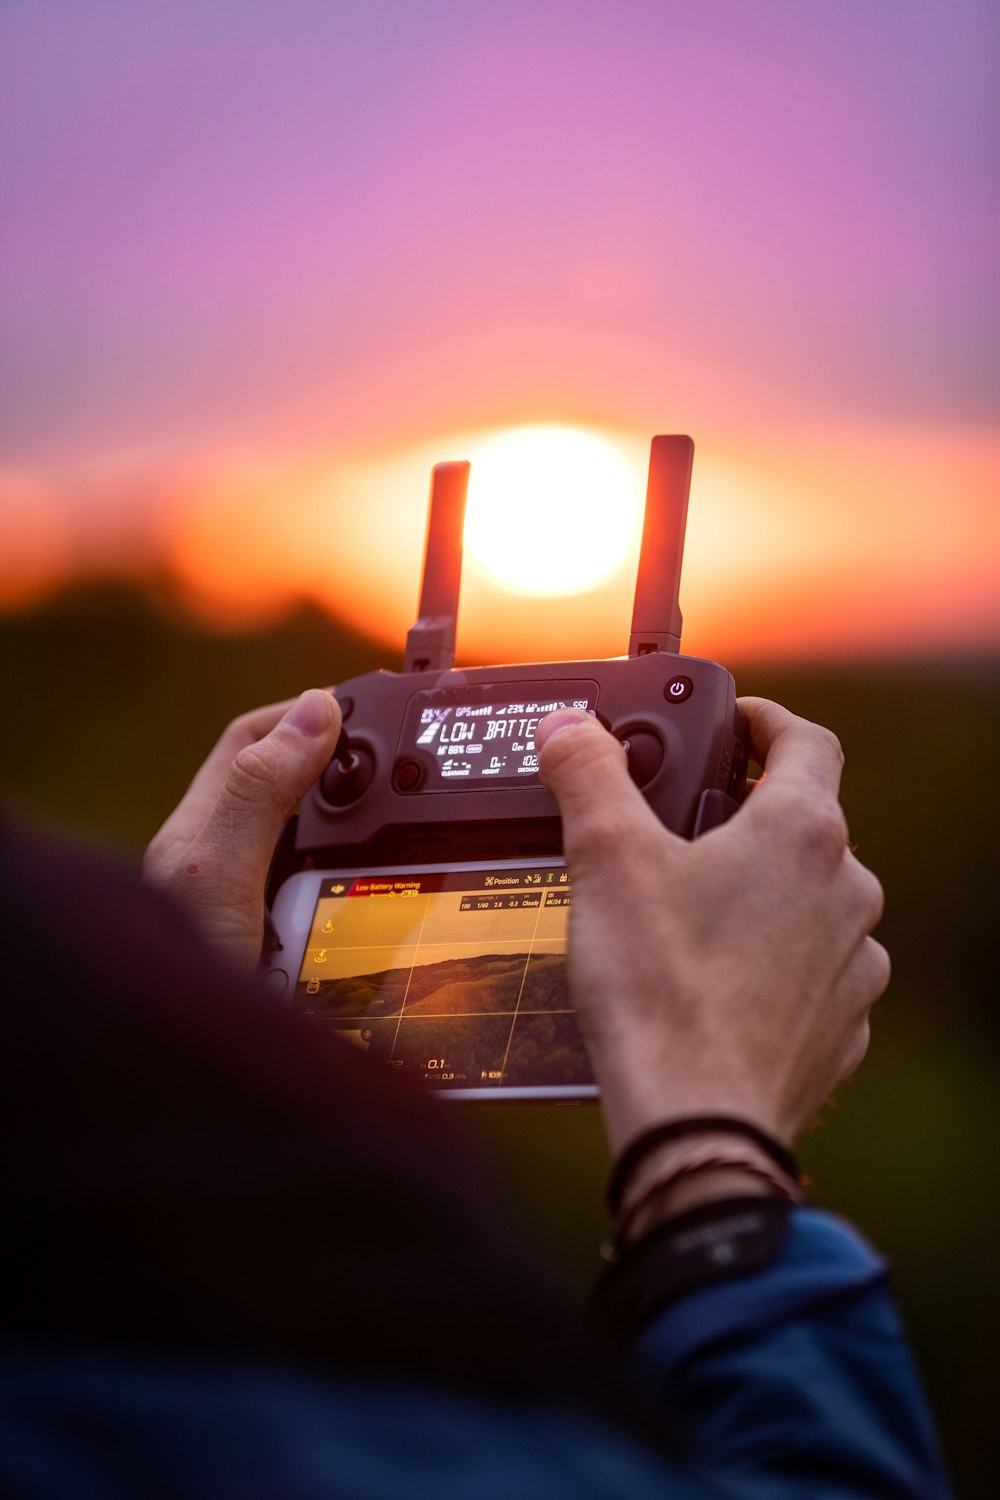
797	1380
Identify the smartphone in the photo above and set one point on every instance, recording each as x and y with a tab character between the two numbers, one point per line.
452	974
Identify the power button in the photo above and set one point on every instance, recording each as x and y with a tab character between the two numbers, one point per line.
677	689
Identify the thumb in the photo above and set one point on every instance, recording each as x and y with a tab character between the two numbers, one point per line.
585	769
267	779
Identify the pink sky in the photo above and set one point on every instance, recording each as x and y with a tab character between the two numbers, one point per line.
312	239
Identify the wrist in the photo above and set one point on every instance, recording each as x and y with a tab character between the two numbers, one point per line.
689	1161
693	1189
637	1095
696	1248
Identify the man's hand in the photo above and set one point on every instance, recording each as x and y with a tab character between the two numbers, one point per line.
731	975
212	854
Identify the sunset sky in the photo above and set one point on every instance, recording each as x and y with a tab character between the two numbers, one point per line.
262	264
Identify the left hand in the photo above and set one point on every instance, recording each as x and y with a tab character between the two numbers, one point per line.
213	853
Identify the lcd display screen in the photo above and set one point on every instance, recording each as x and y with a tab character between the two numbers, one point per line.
455	977
484	735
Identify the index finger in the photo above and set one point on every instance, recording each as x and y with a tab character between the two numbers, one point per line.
793	750
601	808
208	781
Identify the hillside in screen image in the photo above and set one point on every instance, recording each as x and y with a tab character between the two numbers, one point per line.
490	983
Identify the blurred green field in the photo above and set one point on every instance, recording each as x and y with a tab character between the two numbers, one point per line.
110	704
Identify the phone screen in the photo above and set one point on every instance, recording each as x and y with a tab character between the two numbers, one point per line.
457	977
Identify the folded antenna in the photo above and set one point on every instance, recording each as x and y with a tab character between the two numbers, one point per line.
430	644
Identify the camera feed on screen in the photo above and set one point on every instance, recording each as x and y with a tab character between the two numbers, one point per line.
458	979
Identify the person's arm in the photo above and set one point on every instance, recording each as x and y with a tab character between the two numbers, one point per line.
733	976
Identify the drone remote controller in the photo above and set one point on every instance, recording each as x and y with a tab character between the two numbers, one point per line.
436	768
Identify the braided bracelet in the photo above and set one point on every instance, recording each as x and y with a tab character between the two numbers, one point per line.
674	1130
706	1159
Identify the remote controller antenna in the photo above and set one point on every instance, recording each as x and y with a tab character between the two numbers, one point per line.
656	613
430	644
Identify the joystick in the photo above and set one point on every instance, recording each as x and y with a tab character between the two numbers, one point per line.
348	775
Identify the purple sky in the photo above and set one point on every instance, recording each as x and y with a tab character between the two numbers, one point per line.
359	225
206	207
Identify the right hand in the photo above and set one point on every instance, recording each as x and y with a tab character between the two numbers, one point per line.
729	975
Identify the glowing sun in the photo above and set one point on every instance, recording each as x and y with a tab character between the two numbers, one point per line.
550	509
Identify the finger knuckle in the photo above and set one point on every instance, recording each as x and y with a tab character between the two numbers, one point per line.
831	742
872	899
596	834
881	969
251	776
814	826
858	1047
825	832
828	830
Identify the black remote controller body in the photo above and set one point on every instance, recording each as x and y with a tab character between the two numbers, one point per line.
438	764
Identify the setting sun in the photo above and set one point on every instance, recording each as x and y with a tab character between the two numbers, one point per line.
551	509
